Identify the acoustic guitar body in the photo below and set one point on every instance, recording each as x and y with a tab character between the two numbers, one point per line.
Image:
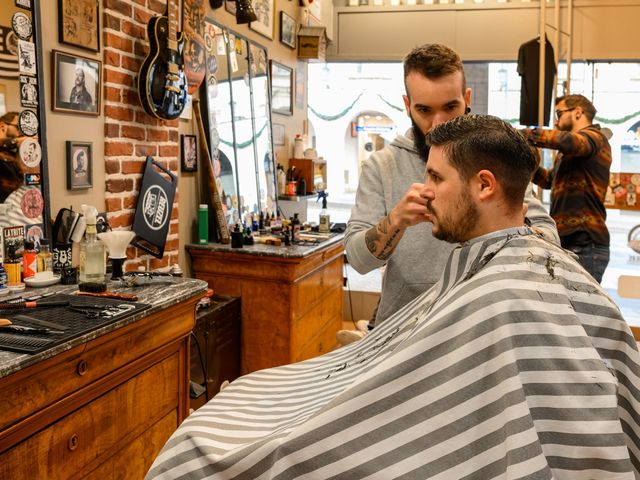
162	83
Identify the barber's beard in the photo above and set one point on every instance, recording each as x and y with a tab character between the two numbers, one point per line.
419	141
455	225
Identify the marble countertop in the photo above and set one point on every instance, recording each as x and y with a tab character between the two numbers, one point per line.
160	293
260	249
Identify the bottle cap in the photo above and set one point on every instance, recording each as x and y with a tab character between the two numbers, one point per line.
44	241
203	206
28	245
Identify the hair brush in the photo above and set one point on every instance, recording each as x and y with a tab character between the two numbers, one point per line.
32	304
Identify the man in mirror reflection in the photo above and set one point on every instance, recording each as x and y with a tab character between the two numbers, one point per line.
389	222
80	96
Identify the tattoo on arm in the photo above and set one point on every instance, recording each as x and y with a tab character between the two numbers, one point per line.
382	239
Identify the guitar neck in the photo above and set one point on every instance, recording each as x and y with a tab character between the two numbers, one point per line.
171	20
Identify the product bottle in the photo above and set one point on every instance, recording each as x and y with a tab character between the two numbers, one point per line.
12	267
203	224
92	257
295	228
4	279
45	258
282	180
29	260
323	224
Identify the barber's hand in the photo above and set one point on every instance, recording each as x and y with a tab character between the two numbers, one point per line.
411	209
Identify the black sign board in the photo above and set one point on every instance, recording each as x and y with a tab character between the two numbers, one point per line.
153	210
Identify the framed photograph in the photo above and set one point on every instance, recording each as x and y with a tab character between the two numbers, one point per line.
79	23
188	153
281	88
77	83
287	30
278	134
79	165
265	11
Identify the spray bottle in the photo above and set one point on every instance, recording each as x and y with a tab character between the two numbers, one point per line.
92	255
324	226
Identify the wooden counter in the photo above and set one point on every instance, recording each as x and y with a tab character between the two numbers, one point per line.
291	297
103	405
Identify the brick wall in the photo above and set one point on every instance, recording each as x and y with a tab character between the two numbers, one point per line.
130	133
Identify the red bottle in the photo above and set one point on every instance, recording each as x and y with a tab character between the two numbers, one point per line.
29	260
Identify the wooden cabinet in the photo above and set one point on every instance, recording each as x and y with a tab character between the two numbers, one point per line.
103	409
291	306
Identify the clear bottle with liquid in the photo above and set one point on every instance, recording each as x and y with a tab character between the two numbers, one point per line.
92	264
323	224
45	258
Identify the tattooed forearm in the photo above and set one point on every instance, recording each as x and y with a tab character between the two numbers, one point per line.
382	239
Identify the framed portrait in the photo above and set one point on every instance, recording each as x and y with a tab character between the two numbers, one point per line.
79	165
265	11
77	83
281	88
79	23
287	30
278	134
188	153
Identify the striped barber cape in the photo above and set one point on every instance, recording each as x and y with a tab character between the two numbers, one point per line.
514	365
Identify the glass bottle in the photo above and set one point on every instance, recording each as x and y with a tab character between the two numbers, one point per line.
92	264
45	258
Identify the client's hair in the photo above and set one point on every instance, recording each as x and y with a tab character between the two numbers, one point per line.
482	142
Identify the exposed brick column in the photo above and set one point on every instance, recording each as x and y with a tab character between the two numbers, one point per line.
130	133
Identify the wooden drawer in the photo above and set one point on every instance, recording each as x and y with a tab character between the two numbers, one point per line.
30	390
86	437
316	286
319	319
134	461
323	342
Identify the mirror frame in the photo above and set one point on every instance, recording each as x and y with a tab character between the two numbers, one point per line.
205	109
41	113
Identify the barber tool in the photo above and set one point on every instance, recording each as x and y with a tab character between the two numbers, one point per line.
24	329
32	304
117	295
42	323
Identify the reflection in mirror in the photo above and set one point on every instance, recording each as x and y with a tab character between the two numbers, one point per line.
23	210
219	121
262	119
243	126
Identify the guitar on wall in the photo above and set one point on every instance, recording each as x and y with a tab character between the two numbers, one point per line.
162	83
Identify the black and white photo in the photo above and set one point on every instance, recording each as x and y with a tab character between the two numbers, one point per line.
76	84
28	91
287	30
79	165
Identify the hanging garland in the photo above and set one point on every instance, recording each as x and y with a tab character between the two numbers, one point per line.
248	142
330	118
390	104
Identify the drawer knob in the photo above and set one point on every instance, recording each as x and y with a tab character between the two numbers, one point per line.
73	442
82	367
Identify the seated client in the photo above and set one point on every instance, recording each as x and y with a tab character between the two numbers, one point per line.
514	365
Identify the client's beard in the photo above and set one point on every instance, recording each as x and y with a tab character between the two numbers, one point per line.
420	141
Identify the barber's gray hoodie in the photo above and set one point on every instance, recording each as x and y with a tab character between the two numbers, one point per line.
419	258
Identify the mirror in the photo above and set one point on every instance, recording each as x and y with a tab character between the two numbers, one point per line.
237	116
262	119
24	206
219	121
243	125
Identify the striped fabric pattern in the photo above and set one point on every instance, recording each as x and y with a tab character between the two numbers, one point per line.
515	365
8	54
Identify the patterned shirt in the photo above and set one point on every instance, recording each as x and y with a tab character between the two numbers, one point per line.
578	181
